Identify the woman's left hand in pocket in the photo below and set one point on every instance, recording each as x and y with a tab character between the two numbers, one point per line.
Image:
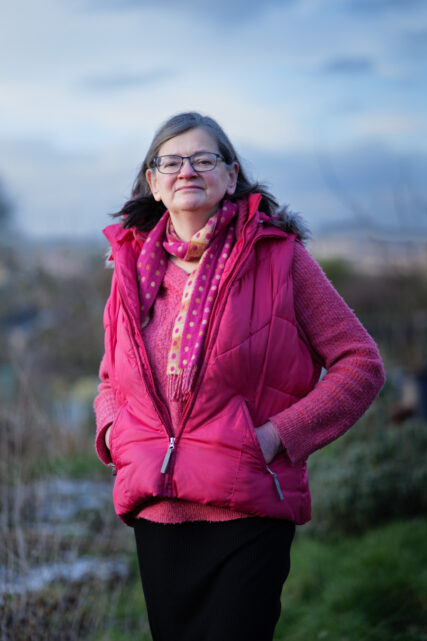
269	441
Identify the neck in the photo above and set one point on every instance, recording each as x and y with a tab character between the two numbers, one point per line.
188	224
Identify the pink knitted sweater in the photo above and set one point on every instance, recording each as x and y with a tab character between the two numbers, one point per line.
333	332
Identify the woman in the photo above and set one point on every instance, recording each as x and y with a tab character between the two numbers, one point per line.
216	330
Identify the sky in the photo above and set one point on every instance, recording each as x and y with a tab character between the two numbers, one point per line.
325	100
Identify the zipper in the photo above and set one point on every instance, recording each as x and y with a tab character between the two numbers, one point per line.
113	469
145	373
220	298
276	482
168	455
262	459
159	406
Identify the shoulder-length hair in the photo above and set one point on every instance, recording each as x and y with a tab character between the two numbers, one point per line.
143	211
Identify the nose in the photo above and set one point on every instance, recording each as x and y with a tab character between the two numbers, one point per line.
186	169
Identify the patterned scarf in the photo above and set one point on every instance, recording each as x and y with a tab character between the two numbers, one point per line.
212	245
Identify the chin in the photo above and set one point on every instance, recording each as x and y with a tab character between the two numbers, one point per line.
190	201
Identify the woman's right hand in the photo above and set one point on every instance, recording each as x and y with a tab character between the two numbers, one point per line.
269	441
107	437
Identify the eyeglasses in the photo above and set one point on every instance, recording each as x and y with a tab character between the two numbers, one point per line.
201	161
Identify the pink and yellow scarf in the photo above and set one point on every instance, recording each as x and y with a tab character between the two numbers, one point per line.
212	245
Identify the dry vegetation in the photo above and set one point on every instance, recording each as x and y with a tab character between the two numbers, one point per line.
57	527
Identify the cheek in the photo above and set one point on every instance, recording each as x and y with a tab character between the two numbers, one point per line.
165	187
223	181
216	183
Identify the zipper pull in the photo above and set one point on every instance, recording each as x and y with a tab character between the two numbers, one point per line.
276	483
168	455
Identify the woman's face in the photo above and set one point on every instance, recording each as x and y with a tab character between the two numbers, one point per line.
190	192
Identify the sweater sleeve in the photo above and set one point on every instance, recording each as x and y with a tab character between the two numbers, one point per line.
355	372
105	412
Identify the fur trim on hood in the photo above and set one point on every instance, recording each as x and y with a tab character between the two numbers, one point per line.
292	223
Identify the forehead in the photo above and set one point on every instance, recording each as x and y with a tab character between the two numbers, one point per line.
189	142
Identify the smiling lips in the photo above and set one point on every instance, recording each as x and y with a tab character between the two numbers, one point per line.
188	187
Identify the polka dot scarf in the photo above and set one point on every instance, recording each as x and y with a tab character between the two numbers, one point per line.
212	245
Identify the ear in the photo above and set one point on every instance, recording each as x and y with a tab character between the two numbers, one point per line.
233	173
151	176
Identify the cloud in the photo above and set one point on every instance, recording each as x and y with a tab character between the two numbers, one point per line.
122	81
370	182
60	193
385	5
97	83
221	11
349	65
416	40
57	192
384	124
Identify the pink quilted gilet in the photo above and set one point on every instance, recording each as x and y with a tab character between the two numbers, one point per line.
256	364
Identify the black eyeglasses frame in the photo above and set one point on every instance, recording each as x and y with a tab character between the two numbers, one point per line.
189	158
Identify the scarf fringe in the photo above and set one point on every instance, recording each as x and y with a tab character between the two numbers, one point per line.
180	385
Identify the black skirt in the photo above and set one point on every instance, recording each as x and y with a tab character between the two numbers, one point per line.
214	581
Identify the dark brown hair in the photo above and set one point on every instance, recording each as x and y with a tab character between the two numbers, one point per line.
143	212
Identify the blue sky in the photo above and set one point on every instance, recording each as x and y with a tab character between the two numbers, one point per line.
325	99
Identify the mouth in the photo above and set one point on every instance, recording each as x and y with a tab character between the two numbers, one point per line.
188	188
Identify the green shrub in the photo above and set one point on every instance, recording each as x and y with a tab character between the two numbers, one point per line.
375	473
369	587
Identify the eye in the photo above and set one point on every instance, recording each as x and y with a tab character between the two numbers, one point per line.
170	162
204	161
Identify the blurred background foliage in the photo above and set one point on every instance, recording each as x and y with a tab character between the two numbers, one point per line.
339	131
67	565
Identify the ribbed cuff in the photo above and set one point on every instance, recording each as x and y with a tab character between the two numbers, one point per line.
100	445
291	426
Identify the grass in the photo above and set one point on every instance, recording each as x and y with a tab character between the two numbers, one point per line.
371	588
79	465
127	619
82	465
